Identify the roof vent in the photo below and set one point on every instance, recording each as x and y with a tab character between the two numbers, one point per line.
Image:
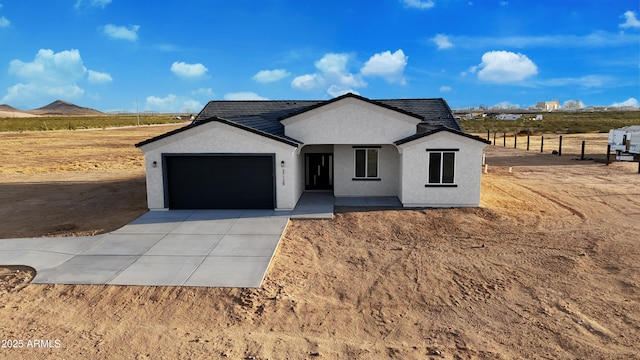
425	126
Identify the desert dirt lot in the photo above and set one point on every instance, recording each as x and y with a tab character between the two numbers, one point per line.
547	268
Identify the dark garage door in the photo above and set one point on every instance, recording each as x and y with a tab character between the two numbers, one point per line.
220	181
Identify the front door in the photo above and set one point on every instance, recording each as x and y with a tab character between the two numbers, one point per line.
318	171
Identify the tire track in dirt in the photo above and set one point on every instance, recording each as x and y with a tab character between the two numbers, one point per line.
562	204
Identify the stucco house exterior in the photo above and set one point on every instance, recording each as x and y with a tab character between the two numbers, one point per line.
265	154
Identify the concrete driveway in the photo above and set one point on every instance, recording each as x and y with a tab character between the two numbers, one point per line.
214	248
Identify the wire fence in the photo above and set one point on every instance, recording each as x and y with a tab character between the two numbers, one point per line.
581	146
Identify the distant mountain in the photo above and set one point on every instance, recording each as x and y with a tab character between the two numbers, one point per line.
7	111
60	107
5	107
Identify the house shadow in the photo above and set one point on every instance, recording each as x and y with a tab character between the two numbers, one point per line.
70	208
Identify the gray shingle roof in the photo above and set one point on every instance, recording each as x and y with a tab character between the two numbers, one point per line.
434	111
263	116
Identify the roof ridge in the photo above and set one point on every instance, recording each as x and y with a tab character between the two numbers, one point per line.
355	96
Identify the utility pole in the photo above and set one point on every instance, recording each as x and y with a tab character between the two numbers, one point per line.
137	112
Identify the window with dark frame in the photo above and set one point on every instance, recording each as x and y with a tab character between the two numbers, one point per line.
441	167
366	163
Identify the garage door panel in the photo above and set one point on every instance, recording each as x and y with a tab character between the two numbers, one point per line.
220	182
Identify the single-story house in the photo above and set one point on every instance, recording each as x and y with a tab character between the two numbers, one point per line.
265	154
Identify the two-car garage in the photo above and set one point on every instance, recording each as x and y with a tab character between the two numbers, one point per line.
219	181
219	164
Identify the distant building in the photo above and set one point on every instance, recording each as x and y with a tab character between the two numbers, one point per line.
508	116
548	105
475	115
573	105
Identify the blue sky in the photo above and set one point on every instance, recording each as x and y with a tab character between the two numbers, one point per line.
174	56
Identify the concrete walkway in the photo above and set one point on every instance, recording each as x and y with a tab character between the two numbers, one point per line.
214	248
320	205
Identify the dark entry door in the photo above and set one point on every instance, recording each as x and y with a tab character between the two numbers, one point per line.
220	181
319	171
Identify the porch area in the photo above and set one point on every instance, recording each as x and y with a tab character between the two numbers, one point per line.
320	204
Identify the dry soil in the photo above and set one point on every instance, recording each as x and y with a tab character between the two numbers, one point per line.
546	268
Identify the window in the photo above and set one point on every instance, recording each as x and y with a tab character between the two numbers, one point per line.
366	163
442	165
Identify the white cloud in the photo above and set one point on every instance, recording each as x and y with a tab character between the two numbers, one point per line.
587	81
122	32
336	91
506	105
99	77
50	76
442	41
204	92
189	71
50	68
445	88
505	67
419	4
268	76
504	3
333	75
306	82
334	68
92	3
472	70
31	93
4	22
247	95
597	39
387	65
631	21
172	104
630	102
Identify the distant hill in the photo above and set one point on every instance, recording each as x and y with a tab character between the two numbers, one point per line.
5	107
11	112
60	107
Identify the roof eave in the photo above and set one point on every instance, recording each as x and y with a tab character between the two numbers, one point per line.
291	142
411	138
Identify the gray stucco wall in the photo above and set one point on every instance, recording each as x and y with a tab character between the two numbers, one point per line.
216	137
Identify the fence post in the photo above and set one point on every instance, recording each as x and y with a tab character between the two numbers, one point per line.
528	140
542	144
582	151
560	147
504	139
608	154
494	138
515	140
488	134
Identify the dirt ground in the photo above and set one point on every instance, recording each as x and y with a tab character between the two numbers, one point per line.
548	267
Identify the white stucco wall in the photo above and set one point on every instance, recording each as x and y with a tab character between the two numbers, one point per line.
344	172
468	172
217	137
350	121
